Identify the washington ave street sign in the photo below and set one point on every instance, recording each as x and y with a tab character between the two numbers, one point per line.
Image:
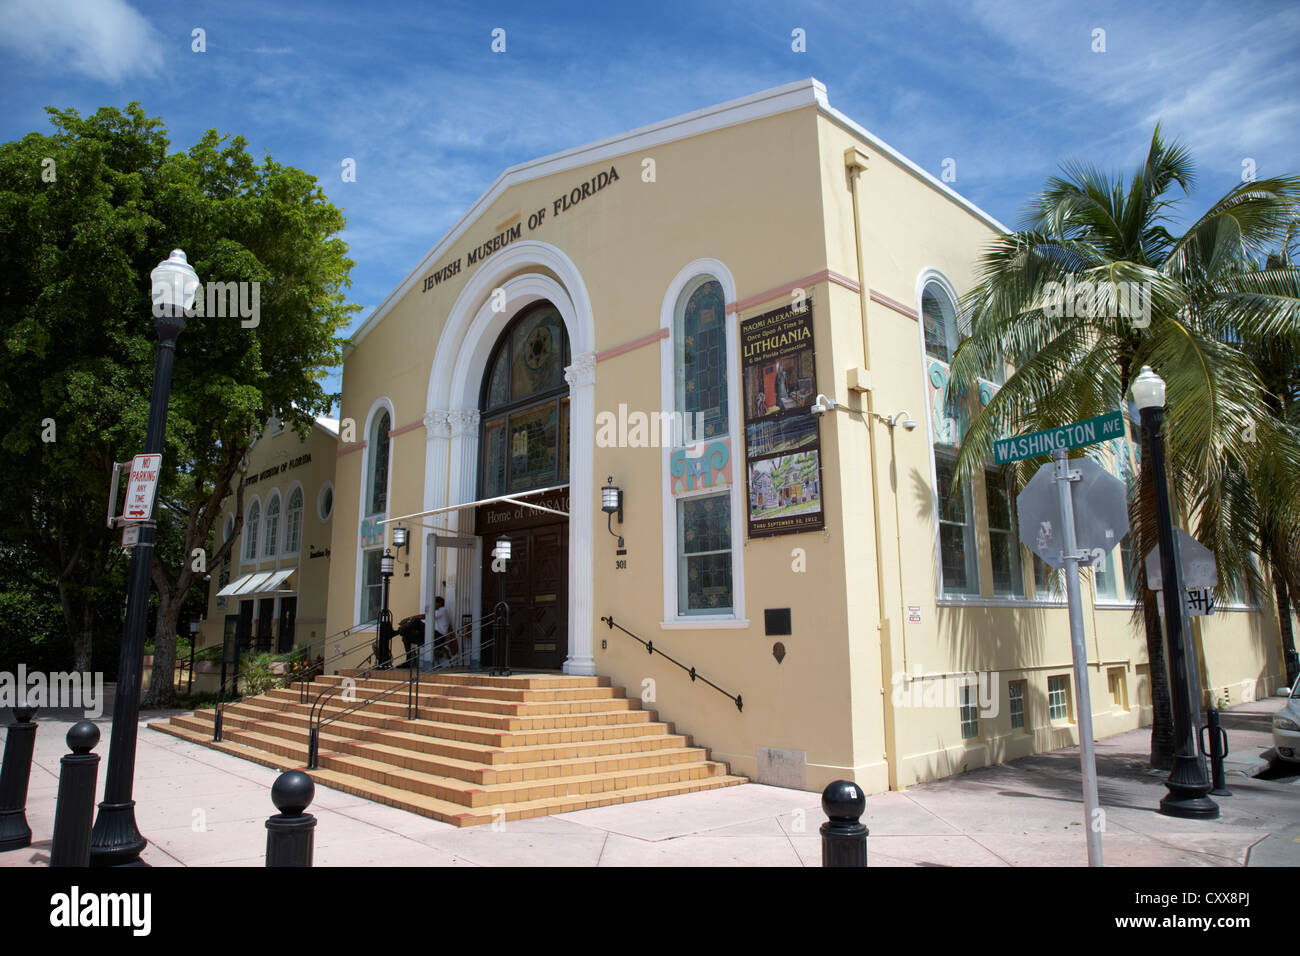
1075	435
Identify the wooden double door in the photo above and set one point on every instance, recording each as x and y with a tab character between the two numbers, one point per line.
537	590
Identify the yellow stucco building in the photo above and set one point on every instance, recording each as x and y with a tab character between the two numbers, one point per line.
271	591
660	311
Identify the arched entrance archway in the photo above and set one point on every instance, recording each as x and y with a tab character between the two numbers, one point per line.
521	275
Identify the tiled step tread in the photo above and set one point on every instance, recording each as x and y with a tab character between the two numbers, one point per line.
471	756
466	816
499	756
546	765
527	682
491	731
472	794
519	772
521	695
459	716
493	741
382	771
489	705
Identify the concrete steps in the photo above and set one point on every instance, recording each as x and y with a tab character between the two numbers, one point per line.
481	749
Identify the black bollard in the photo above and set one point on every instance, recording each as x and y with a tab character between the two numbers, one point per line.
75	808
14	775
290	834
844	836
1216	751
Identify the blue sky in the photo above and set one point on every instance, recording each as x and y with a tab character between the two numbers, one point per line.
413	92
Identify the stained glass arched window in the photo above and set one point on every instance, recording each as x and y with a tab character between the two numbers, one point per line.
377	487
525	405
251	524
293	522
272	525
701	356
940	322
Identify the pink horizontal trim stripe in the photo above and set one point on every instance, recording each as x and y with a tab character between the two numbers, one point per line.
406	428
826	275
634	344
351	448
896	306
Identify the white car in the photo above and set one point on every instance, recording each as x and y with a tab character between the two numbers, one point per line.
1286	727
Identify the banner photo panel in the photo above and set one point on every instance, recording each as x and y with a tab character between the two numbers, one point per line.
782	440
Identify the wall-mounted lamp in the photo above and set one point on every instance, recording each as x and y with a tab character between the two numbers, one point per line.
401	539
902	418
611	502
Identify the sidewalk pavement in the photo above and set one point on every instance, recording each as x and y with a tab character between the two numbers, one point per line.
199	807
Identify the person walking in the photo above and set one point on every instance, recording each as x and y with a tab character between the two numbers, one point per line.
442	629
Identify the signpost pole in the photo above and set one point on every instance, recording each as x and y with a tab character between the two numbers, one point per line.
1087	755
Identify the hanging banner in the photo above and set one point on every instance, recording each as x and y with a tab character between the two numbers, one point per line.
782	441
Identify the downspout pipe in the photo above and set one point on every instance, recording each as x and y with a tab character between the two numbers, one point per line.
855	162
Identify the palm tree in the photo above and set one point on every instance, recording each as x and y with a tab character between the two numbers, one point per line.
1176	303
1256	516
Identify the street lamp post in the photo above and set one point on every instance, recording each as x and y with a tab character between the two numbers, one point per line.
1188	782
116	840
386	562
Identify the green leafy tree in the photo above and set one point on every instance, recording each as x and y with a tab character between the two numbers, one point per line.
85	213
1090	227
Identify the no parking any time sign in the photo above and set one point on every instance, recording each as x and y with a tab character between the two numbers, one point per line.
141	487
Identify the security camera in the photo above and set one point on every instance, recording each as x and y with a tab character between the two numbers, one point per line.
823	405
909	425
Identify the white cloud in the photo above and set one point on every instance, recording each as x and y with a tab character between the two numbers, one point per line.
104	39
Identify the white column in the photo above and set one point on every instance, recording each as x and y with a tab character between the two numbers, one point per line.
581	376
463	423
437	447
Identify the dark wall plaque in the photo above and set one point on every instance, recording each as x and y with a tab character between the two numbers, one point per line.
776	621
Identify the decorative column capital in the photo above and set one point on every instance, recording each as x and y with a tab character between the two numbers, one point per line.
463	421
437	425
583	370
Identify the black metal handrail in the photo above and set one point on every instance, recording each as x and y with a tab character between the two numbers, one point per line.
317	718
650	646
289	677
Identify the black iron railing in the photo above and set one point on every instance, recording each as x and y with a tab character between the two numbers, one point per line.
317	718
301	673
650	646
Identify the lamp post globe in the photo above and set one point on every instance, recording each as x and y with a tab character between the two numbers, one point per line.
115	839
1148	390
1188	782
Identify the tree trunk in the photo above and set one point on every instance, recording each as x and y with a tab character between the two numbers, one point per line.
162	681
1283	595
1162	714
76	620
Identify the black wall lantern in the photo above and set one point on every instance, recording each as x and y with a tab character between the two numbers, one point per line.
611	502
